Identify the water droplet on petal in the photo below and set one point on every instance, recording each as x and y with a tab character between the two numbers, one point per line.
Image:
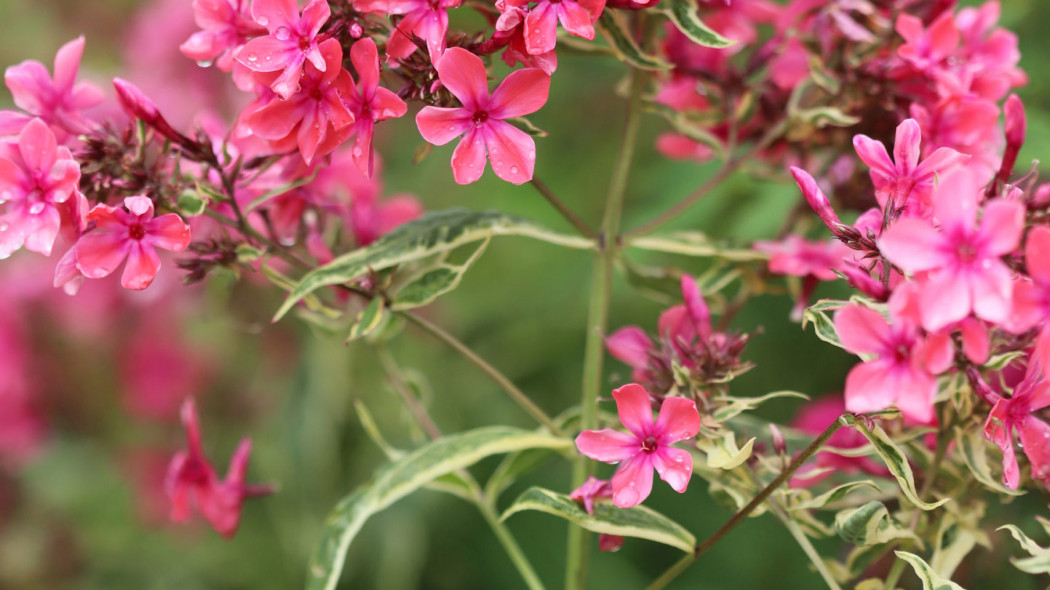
36	208
283	33
252	57
204	63
513	169
263	21
4	226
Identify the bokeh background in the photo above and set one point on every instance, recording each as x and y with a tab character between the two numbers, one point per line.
81	504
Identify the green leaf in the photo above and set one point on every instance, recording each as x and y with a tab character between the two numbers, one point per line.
372	430
513	466
722	453
957	535
434	282
284	282
613	27
691	243
685	15
834	495
688	126
930	580
870	524
896	462
247	254
368	320
404	476
974	449
192	203
434	233
276	192
825	117
527	126
1039	562
639	521
738	405
828	305
823	327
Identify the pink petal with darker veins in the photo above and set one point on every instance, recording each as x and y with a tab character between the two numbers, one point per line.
440	125
168	232
634	409
607	445
633	481
678	420
99	253
464	75
142	266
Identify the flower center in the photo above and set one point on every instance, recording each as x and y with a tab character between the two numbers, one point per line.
480	117
649	444
966	252
136	231
304	43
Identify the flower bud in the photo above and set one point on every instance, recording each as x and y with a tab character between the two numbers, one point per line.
1013	113
816	199
141	107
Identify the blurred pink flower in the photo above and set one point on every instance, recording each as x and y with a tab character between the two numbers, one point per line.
226	26
369	102
292	42
1015	414
813	418
597	489
425	19
646	446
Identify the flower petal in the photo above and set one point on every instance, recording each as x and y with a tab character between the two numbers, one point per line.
913	245
512	152
440	125
142	266
634	409
675	466
521	93
468	160
678	420
1002	226
862	330
633	481
99	253
631	345
464	75
607	445
168	232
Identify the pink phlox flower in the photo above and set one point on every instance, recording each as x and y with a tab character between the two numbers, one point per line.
812	261
927	48
1015	414
292	42
510	32
790	66
226	26
905	177
191	481
645	446
962	259
156	373
129	232
897	372
592	490
481	118
369	102
813	418
59	101
992	52
678	146
1031	298
425	19
315	120
541	21
964	123
36	177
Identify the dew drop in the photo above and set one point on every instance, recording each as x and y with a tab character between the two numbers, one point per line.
204	63
283	33
252	57
513	169
678	459
4	226
36	208
263	21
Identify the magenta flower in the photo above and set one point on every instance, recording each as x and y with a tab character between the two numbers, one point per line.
191	481
226	26
315	120
897	375
369	102
57	101
481	118
1015	414
899	179
36	177
927	48
133	233
964	263
292	42
425	19
541	22
646	445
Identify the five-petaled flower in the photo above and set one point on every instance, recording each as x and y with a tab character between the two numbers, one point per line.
1018	414
293	41
481	119
369	102
130	232
647	445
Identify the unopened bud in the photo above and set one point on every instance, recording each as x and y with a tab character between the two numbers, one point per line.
1013	112
141	107
779	445
816	199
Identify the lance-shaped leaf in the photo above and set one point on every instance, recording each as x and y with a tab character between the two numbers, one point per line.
834	495
722	453
738	405
639	521
896	462
613	27
688	126
685	15
693	243
822	326
434	233
974	449
404	476
370	318
434	282
1039	562
930	579
870	524
957	535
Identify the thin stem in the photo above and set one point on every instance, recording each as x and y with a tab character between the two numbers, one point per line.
512	390
803	542
730	166
510	545
681	565
562	208
249	232
597	319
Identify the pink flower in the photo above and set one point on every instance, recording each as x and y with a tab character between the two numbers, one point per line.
964	263
369	102
898	373
227	25
597	489
896	182
646	446
541	22
57	101
425	19
1015	414
817	200
812	261
191	481
133	233
927	48
315	120
481	119
36	177
292	42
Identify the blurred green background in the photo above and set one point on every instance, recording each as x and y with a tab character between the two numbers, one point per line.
75	517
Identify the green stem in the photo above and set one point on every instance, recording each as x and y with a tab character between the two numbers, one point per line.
682	564
803	542
730	166
597	319
512	390
562	208
510	545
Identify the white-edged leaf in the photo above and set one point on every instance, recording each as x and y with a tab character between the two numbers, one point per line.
692	243
823	326
639	522
896	462
722	453
870	524
370	318
685	15
434	282
974	449
738	405
612	25
930	579
1039	562
834	495
404	476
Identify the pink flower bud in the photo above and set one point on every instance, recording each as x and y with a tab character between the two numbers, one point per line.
141	107
1013	112
816	199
